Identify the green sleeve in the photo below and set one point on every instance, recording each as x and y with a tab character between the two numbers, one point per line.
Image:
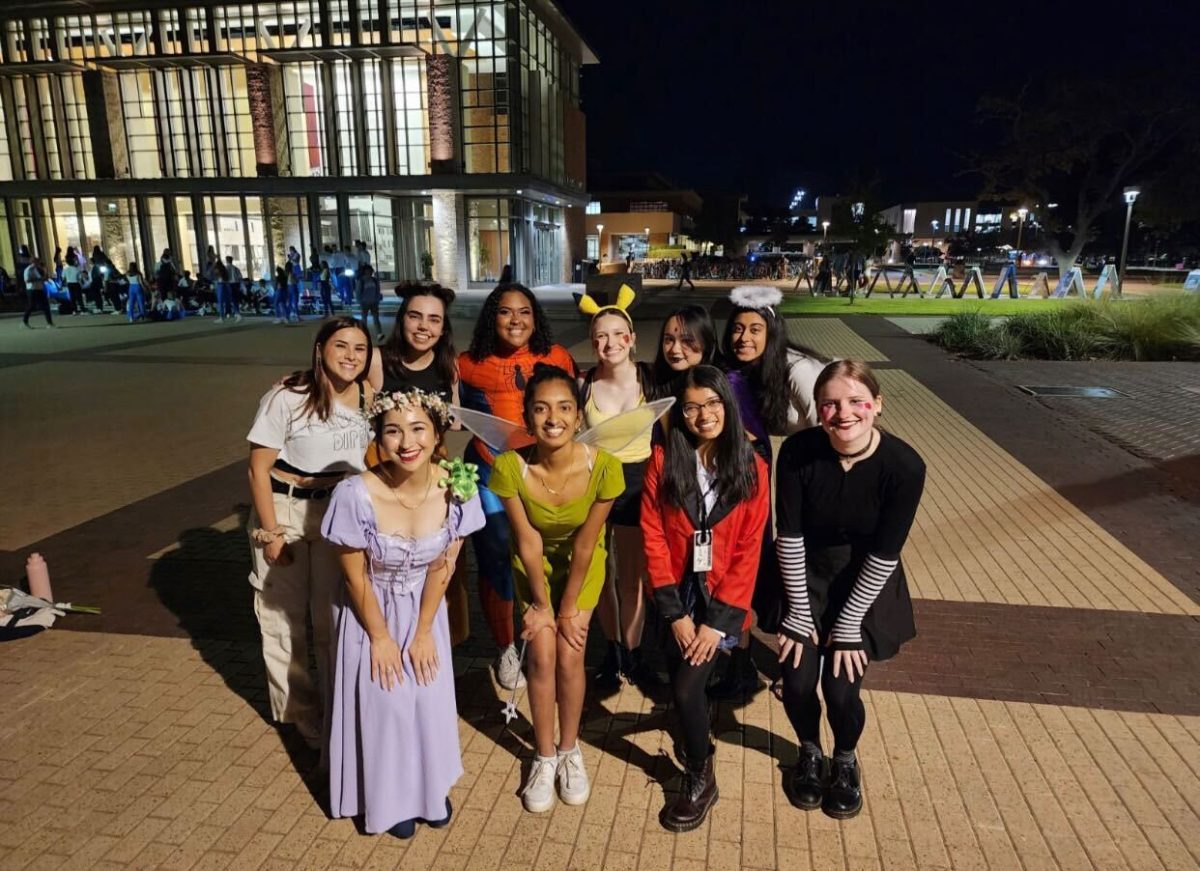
612	477
505	475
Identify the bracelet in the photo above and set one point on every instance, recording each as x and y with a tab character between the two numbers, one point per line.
568	616
266	536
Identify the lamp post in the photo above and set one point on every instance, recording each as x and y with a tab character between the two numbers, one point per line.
1131	195
824	232
600	244
1021	213
647	231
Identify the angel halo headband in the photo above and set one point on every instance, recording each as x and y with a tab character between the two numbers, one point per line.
431	403
625	297
756	296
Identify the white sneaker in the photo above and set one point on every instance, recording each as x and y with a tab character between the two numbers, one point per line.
237	319
573	785
508	668
277	321
538	792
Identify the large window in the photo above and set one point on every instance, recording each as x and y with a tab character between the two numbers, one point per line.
485	114
487	227
141	133
410	98
288	221
304	102
345	110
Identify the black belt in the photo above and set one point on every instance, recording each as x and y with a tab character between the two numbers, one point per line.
278	486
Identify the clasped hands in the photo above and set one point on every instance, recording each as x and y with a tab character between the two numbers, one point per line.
698	645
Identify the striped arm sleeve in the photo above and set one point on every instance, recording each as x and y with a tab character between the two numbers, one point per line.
798	624
872	576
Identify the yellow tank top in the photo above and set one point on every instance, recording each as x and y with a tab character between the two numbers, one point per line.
635	452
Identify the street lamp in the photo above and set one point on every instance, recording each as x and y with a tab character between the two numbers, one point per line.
1131	195
647	231
824	232
1021	213
600	243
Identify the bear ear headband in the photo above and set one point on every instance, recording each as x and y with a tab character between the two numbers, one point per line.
625	297
756	296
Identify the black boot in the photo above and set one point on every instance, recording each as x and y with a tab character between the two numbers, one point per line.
608	676
740	677
806	782
639	674
843	799
697	794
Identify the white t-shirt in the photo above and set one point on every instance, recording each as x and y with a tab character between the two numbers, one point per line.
333	446
70	274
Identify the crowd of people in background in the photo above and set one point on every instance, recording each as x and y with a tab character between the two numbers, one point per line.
74	283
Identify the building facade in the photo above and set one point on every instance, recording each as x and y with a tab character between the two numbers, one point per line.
445	134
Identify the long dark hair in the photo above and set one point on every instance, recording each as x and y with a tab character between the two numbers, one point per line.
314	381
768	374
698	330
445	358
733	459
484	342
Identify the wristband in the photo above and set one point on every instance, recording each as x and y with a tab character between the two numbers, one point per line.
266	536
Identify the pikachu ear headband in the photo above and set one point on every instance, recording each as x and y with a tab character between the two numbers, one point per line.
625	297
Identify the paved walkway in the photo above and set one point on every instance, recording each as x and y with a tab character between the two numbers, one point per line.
1047	716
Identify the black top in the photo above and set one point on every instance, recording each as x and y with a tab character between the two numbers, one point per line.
871	507
398	377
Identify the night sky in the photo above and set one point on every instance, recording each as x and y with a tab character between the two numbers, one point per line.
764	97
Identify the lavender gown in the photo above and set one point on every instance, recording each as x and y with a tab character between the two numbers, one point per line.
393	756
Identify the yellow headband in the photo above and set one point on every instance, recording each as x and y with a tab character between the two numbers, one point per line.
625	296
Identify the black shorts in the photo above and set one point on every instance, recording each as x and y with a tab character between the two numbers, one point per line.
627	508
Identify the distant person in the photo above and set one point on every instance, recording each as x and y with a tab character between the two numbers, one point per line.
137	293
506	274
629	261
234	279
685	272
369	297
72	278
35	290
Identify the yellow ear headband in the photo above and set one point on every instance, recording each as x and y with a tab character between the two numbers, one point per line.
625	297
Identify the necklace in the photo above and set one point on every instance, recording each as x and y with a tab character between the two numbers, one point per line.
571	471
396	493
857	454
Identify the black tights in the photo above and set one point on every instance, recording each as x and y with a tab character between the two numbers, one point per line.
847	716
689	684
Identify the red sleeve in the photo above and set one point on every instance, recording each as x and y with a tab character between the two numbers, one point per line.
654	537
736	586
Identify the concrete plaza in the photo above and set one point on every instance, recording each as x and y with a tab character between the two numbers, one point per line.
1047	716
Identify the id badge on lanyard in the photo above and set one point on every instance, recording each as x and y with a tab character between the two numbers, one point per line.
702	543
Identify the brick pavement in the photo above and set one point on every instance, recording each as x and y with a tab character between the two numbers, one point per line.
143	744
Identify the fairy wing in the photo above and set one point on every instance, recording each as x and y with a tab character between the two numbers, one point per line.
497	433
619	432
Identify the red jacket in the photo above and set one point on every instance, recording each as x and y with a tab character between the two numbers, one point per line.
737	545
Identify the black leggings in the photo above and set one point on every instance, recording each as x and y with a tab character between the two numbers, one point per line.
689	684
37	299
847	716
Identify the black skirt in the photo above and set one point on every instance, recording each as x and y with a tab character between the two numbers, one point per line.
832	572
627	508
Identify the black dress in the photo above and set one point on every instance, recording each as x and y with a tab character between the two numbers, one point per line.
398	377
844	516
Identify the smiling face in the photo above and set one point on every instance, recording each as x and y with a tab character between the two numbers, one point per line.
344	355
612	338
703	413
424	322
554	414
680	350
408	437
749	336
847	411
514	320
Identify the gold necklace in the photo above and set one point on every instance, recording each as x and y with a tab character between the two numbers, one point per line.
566	478
396	493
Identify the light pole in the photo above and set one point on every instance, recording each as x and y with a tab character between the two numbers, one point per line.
824	232
647	231
1021	213
600	244
1131	195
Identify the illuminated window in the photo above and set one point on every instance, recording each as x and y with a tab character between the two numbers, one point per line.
412	116
345	109
593	208
487	228
141	133
304	102
910	221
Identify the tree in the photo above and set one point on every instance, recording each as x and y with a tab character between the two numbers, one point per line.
1078	142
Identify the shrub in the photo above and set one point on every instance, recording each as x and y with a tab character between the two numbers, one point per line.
1156	329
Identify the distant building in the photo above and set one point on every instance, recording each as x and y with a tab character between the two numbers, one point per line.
932	222
447	131
637	212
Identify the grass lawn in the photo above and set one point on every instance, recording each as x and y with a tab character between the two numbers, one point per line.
879	304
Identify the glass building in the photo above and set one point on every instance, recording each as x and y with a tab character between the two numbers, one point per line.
446	134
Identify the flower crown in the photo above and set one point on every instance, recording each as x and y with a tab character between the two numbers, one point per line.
431	403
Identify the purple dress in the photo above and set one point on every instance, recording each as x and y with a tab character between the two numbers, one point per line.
393	755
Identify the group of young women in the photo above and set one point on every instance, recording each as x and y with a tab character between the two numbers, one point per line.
359	518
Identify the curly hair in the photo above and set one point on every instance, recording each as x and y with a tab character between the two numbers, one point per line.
485	342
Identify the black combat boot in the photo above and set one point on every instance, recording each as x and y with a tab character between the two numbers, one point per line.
697	795
607	678
806	785
843	799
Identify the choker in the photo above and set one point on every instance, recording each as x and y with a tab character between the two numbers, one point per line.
857	454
